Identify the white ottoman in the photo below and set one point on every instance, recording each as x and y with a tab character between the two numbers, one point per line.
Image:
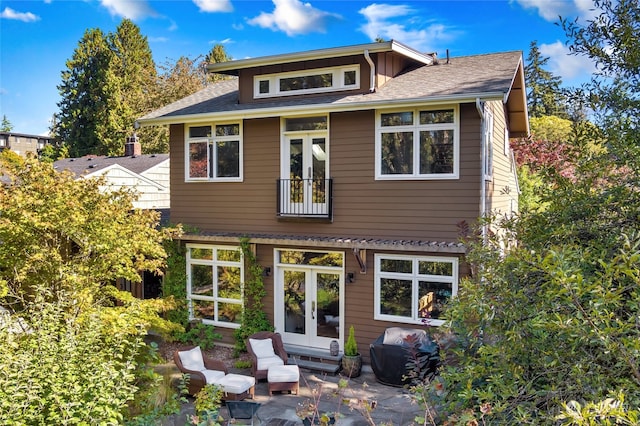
237	387
283	378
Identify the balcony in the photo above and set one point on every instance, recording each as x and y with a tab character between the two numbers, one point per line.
305	198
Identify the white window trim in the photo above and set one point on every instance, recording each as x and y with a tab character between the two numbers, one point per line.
213	263
274	81
377	315
416	128
211	141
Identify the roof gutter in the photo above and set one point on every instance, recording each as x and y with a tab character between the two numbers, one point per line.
372	67
324	107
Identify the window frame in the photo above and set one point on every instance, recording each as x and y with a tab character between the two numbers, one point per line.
211	141
415	128
338	81
415	277
215	299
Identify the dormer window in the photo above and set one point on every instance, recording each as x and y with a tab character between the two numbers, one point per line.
307	81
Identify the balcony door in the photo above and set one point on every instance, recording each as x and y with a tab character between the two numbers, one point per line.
305	167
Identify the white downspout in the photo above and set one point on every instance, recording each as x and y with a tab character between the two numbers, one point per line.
372	67
483	187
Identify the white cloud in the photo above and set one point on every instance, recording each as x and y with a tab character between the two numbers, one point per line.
573	69
550	10
381	22
214	5
130	9
9	13
294	17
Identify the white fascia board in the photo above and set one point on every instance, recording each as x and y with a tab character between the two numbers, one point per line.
129	172
322	108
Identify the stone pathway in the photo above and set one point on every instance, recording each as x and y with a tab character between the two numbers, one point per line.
393	405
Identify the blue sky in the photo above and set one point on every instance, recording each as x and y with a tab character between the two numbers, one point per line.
38	37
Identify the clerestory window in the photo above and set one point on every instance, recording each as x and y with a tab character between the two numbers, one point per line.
307	81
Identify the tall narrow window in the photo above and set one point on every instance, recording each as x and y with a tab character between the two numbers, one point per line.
214	284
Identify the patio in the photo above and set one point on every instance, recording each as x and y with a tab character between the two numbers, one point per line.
392	404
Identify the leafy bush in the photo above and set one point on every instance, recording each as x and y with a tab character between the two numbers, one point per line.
70	368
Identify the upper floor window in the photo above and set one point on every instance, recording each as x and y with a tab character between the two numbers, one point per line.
307	81
214	284
214	152
417	144
413	289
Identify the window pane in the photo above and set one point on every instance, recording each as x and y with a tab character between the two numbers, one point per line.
228	130
232	255
201	253
432	298
295	257
229	282
395	297
264	86
202	280
306	82
228	159
349	78
436	151
229	312
438	116
306	123
203	309
200	132
435	268
198	160
397	119
396	265
397	153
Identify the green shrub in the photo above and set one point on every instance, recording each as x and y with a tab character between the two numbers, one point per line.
351	347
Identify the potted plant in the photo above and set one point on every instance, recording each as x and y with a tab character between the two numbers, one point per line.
351	361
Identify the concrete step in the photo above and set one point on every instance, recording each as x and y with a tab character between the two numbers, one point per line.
314	359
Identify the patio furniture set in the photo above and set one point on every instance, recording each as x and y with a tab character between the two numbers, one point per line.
269	361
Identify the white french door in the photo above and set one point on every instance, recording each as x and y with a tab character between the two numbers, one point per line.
308	305
306	169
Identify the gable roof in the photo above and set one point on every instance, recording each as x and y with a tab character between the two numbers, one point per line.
91	164
495	76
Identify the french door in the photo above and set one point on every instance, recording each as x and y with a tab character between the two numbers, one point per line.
308	305
306	170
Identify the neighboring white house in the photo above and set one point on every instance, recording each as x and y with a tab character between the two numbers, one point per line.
147	174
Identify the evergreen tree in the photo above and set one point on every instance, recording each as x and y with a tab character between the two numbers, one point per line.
88	92
6	125
544	94
216	55
135	71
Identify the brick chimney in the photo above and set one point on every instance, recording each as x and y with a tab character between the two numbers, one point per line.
132	147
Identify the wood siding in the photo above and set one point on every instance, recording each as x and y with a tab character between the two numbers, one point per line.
359	297
363	207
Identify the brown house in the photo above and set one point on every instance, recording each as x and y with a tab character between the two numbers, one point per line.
350	169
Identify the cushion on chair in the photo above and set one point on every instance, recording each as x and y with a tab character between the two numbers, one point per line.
213	376
192	359
265	363
263	348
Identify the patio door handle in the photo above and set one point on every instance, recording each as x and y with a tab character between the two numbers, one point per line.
313	310
309	175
